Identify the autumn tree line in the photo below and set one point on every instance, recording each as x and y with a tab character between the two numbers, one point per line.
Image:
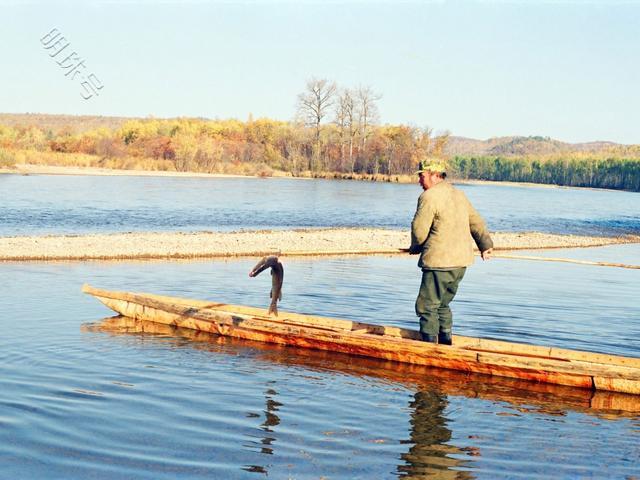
336	133
335	130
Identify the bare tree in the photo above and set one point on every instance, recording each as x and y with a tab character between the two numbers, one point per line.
313	106
345	119
367	111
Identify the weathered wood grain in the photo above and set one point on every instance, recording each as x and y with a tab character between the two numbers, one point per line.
530	362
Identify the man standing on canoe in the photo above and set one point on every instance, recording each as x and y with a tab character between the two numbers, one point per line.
440	231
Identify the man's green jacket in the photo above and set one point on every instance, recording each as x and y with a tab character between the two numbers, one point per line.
442	228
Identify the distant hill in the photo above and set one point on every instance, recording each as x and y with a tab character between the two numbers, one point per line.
521	146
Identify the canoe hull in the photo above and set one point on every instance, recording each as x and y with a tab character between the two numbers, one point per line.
329	335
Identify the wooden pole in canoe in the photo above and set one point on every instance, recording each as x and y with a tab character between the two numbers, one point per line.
553	259
565	260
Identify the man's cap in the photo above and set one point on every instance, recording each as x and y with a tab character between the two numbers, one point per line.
432	165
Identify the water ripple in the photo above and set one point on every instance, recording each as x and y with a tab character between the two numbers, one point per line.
82	401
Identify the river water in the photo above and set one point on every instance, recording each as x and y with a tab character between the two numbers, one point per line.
87	397
38	204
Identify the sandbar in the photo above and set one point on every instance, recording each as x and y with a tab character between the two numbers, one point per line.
329	241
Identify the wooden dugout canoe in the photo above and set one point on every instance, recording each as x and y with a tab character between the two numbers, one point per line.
524	396
594	371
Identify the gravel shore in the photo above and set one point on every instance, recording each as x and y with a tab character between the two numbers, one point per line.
255	243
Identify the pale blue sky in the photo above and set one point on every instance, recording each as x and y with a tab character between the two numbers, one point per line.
569	70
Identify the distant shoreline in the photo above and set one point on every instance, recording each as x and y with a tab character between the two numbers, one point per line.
31	169
301	242
95	171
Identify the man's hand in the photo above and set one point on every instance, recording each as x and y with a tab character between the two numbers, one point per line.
486	255
415	249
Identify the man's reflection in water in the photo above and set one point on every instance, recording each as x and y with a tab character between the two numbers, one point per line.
431	455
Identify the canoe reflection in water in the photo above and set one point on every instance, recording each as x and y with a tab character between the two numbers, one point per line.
429	452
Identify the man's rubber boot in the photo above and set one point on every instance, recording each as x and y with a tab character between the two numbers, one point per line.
429	338
444	338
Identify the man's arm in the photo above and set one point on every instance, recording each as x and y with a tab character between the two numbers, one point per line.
421	224
479	232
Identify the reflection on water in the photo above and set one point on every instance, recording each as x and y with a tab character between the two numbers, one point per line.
428	449
39	204
525	395
154	404
431	454
271	421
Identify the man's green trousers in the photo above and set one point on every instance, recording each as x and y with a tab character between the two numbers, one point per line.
437	289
